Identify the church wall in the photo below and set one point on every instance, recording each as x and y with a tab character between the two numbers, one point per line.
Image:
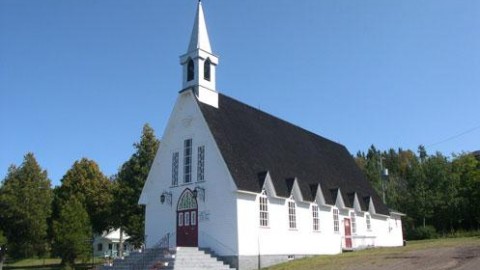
388	231
216	213
277	242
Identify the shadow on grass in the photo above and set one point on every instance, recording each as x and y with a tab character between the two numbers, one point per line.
80	266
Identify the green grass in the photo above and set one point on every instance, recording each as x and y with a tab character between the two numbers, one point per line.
374	256
47	264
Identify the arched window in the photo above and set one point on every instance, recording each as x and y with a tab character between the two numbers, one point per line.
190	70
206	69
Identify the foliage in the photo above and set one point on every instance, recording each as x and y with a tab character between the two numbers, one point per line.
431	189
3	239
73	232
25	200
129	184
421	233
87	183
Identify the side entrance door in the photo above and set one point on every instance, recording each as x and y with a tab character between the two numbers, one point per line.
348	233
187	220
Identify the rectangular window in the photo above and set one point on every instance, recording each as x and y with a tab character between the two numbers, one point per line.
369	224
110	246
354	222
180	219
193	215
263	211
187	219
175	157
187	161
100	247
316	220
201	164
292	218
336	223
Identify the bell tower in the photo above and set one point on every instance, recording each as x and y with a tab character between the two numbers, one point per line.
199	63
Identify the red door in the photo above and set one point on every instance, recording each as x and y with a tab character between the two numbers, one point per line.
187	220
348	233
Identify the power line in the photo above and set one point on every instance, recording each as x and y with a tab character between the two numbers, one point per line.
455	136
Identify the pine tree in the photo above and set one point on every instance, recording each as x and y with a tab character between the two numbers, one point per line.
73	233
25	202
129	184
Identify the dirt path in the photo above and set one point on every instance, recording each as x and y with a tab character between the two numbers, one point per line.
451	258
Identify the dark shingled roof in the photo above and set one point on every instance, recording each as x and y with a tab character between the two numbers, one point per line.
253	142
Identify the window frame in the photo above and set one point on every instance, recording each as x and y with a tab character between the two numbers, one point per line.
207	72
180	219
368	221
353	222
186	217
190	70
263	210
187	161
292	215
175	168
336	220
201	163
315	218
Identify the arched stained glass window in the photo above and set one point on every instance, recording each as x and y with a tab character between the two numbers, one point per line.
187	201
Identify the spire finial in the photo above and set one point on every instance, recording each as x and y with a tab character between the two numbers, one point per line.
199	38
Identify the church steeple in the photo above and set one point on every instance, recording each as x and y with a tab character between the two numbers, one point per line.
199	38
199	63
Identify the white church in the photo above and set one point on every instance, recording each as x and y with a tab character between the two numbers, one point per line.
254	189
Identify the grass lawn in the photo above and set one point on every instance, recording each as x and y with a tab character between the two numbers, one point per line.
371	256
47	264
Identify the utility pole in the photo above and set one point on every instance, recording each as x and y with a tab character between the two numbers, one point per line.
383	178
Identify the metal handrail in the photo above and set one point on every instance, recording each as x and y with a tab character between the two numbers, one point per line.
217	242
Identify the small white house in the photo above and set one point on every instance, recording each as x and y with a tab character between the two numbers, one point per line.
255	189
107	244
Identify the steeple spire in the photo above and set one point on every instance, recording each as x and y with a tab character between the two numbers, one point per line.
199	38
199	63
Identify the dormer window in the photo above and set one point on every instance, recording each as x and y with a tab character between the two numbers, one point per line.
206	69
336	222
292	216
316	219
190	70
263	203
368	221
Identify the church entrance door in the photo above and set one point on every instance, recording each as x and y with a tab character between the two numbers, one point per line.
348	233
187	220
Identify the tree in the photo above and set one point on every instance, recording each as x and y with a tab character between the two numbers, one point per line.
25	200
72	232
466	168
92	188
129	184
3	249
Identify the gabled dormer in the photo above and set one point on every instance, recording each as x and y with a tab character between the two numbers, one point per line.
294	189
265	181
317	194
199	63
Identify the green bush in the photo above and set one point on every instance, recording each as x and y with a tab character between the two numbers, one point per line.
420	233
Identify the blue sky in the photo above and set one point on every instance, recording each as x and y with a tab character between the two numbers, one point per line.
80	78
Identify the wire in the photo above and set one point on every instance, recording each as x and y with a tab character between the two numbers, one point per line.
455	136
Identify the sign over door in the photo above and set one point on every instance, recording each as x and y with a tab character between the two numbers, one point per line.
187	220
